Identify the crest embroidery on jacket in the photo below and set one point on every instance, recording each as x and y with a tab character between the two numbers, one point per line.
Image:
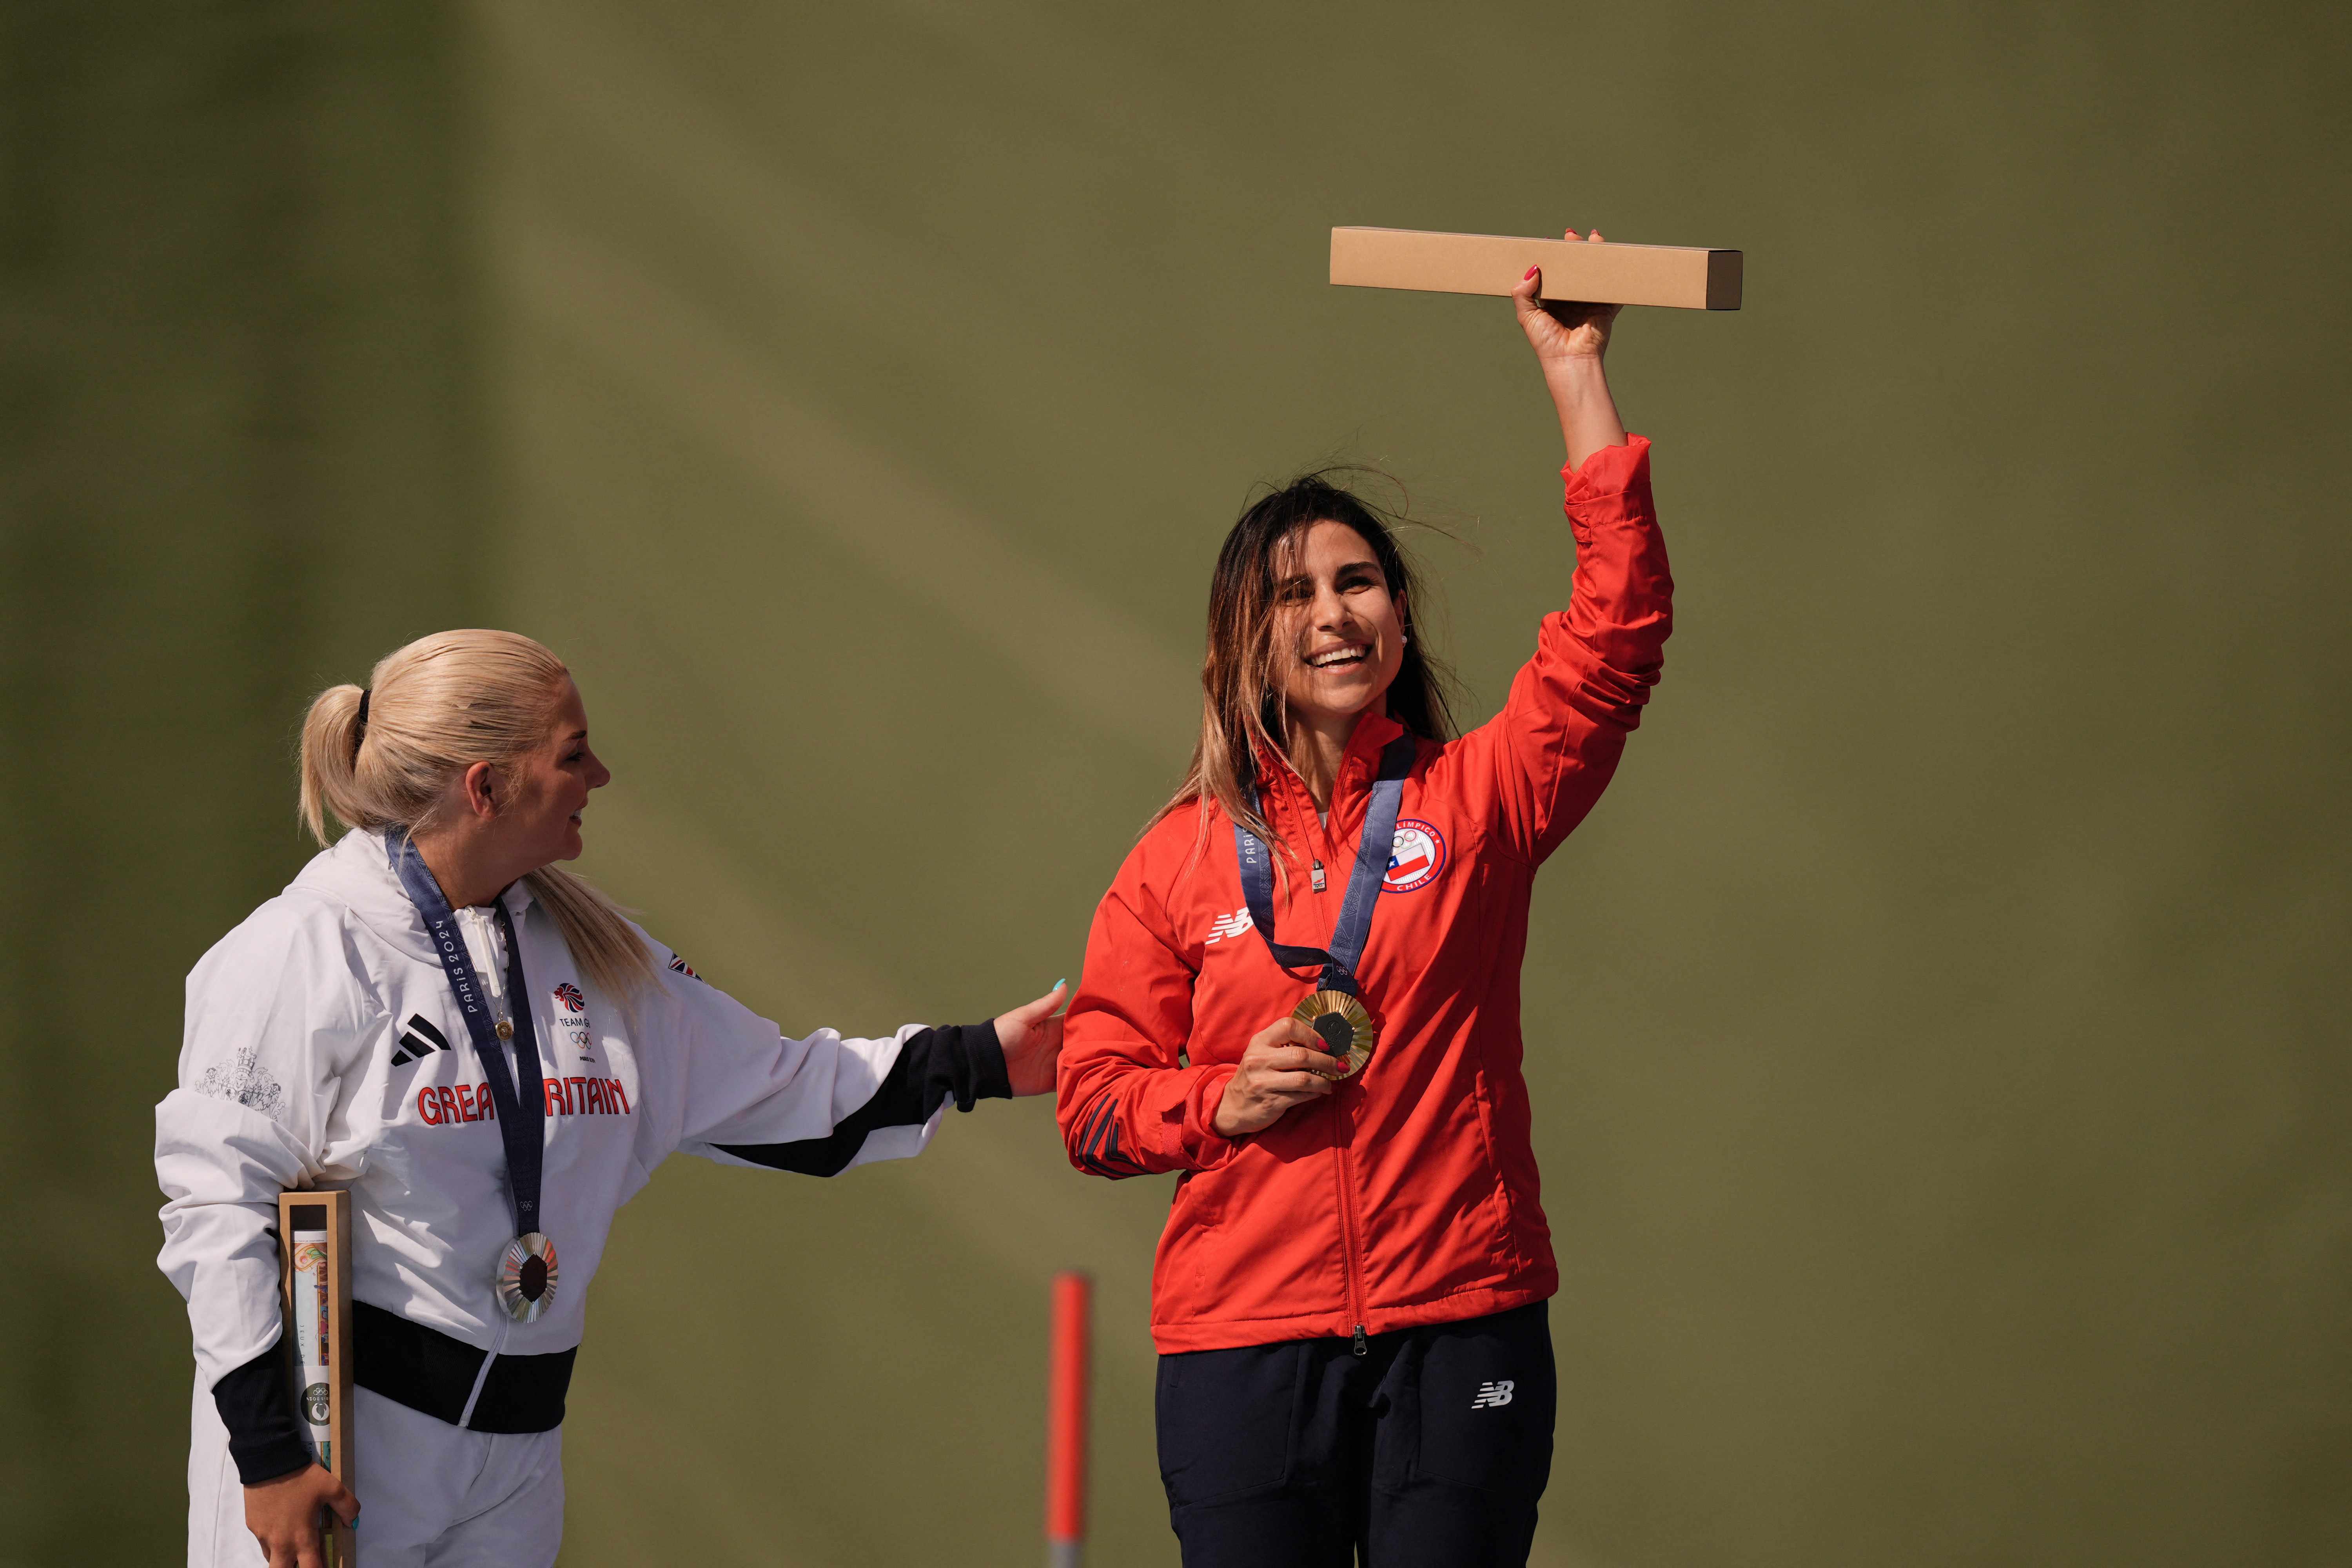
243	1082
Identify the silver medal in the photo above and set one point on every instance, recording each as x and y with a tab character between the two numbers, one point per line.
527	1277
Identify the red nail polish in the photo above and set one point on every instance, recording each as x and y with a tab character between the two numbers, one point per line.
1528	274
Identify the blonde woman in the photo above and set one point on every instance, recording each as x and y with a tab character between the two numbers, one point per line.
491	1060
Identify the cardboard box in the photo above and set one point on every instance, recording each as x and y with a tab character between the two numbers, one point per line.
1606	273
322	1219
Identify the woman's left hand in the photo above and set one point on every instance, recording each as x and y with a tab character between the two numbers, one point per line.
1562	330
1032	1039
1569	338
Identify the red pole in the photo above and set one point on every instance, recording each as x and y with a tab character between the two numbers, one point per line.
1066	1423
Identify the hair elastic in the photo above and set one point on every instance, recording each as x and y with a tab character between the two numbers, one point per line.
359	731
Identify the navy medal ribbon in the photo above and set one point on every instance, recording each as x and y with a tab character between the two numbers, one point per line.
1335	1009
526	1276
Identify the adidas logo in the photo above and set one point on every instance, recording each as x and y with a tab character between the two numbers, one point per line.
1492	1396
419	1039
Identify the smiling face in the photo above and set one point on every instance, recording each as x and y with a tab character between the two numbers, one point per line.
1337	632
543	791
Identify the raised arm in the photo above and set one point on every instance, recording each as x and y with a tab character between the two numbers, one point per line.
1553	748
1570	341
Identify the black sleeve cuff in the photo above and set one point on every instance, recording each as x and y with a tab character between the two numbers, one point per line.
265	1438
962	1062
967	1062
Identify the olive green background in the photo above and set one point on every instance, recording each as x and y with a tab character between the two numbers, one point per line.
1938	1035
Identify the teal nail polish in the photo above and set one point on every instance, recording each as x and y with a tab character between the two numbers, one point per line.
1059	984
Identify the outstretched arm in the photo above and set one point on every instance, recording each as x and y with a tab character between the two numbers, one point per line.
1570	339
745	1094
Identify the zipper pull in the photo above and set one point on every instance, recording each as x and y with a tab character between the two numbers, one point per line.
1318	876
1361	1348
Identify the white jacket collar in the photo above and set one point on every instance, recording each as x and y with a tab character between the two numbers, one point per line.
357	874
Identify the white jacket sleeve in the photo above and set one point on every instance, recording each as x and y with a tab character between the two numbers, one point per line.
276	1012
749	1095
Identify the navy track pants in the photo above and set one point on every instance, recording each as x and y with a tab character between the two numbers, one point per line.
1429	1450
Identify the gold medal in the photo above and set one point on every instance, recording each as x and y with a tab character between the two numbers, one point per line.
1347	1029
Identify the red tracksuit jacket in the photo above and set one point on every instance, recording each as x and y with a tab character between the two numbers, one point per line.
1410	1195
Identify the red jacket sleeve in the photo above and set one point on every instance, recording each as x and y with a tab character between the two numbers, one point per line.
1555	744
1125	1106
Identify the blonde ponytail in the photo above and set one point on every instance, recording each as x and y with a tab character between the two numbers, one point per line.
331	744
432	709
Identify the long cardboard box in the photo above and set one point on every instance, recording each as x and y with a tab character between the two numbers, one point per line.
1606	273
326	1218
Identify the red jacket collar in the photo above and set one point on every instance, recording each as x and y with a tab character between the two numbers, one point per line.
1358	763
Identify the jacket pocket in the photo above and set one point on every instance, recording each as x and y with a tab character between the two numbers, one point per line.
1509	1249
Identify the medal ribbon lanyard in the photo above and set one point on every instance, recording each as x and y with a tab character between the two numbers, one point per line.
1373	854
522	1115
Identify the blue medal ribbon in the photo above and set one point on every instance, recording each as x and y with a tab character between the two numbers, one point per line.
521	1114
1374	852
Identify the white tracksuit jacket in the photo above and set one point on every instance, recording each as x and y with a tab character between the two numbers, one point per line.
324	1049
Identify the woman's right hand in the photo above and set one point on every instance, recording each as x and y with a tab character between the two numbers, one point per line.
1283	1066
1030	1038
283	1515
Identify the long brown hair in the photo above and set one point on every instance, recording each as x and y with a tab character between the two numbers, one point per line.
1241	704
434	707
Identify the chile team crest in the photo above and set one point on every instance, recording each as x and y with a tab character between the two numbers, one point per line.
569	994
1417	858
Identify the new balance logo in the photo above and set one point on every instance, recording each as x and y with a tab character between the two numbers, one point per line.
1224	926
1492	1396
419	1039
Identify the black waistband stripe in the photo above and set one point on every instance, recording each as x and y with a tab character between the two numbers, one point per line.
427	1369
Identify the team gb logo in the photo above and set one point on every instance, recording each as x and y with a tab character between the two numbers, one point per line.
1415	857
569	994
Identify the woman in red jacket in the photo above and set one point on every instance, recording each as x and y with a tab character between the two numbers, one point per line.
1302	994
